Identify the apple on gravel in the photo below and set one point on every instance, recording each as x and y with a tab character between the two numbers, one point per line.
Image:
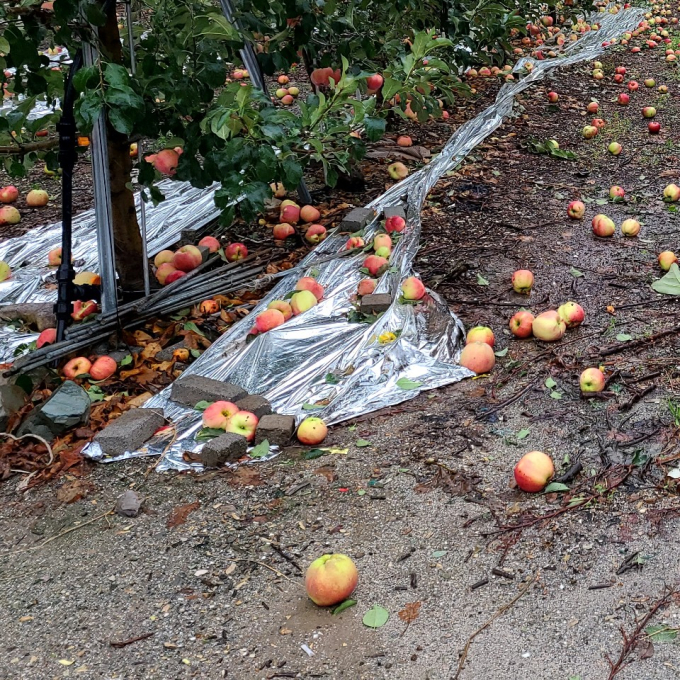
548	326
592	380
312	431
478	357
521	324
666	259
283	231
481	334
331	579
522	281
603	226
571	313
533	471
671	193
630	227
576	210
103	368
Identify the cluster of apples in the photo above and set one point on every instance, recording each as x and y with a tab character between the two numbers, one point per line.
101	368
35	198
291	213
225	415
287	95
494	72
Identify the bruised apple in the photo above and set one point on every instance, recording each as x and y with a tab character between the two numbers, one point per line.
366	287
533	471
548	326
283	307
76	367
331	579
571	313
522	281
47	337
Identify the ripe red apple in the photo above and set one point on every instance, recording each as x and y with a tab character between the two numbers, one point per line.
210	242
331	579
243	423
309	213
103	368
290	213
283	231
480	334
548	326
603	226
593	107
521	323
312	431
553	97
187	258
633	86
571	313
630	227
283	80
76	367
164	161
312	285
375	265
478	357
164	270
597	123
173	276
37	198
302	301
9	194
47	337
621	70
592	380
623	99
354	242
316	233
522	281
366	287
374	82
218	413
533	471
164	257
576	210
235	251
412	288
397	223
654	127
404	141
666	259
616	193
283	307
269	319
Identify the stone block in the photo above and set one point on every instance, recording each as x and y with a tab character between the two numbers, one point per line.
130	431
227	448
276	429
191	389
375	303
255	404
357	219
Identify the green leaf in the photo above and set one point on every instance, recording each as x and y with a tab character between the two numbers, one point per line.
331	379
375	128
314	453
623	337
550	383
376	617
94	14
670	283
127	360
202	405
556	395
575	272
439	553
4	45
523	434
259	451
553	487
662	633
361	443
601	201
501	352
95	393
208	433
311	407
406	384
191	326
481	281
342	606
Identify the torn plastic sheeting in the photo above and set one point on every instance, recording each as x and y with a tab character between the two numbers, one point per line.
289	365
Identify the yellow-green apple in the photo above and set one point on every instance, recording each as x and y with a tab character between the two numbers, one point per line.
316	233
630	227
366	287
9	194
589	131
82	310
290	213
395	223
354	242
37	198
302	301
312	285
283	307
375	265
404	141
576	210
592	380
47	337
480	334
663	89
478	357
374	82
520	324
615	148
331	579
593	107
533	471
218	413
522	281
281	93
571	313
309	213
164	257
603	226
235	251
312	431
76	367
5	271
283	80
164	271
294	91
243	423
598	74
397	170
209	306
616	193
633	85
9	215
671	193
648	111
654	127
174	276
187	258
548	326
666	259
553	97
283	231
412	288
383	251
211	243
103	368
382	241
271	318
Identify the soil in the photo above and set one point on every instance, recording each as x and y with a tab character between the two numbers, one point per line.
207	581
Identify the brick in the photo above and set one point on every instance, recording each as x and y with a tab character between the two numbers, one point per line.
227	448
255	404
275	429
191	389
130	431
394	211
375	303
357	219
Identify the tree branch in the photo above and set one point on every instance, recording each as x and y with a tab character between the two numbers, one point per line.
22	149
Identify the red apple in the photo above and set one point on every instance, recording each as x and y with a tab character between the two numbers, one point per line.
309	213
211	243
553	97
187	258
9	194
395	223
374	82
312	285
331	579
315	234
478	357
283	307
666	259
82	310
521	323
533	471
366	287
235	251
412	288
103	368
76	367
283	231
522	281
603	226
375	265
576	210
571	313
218	413
47	337
592	380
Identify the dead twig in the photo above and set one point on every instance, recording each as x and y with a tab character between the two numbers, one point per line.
263	564
125	643
621	347
507	402
32	436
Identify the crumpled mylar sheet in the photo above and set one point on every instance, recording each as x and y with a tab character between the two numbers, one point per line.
321	359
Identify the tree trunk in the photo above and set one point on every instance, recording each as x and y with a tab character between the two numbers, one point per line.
126	235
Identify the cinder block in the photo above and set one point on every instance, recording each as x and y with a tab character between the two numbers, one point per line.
375	303
130	431
255	404
226	448
205	252
394	211
194	388
357	219
275	429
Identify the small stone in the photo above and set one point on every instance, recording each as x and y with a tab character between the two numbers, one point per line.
226	448
394	211
375	303
130	431
276	429
256	404
12	398
357	219
128	504
192	389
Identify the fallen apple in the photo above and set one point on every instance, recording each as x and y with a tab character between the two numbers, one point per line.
354	242
633	86
283	231
375	265
396	223
478	357
666	259
571	313
412	288
9	215
218	413
480	334
404	141
9	194
103	368
616	193
76	367
235	251
174	276
81	310
603	226
209	307
164	257
302	301
630	227
164	270
671	193
548	326
553	97
593	107
382	241
521	324
397	171
615	148
312	431
654	127
331	579
5	271
589	131
243	423
623	99
290	213
533	471
283	307
315	234
576	210
366	287
47	337
209	242
269	319
312	285
374	82
522	281
648	111
592	380
37	198
308	213
187	258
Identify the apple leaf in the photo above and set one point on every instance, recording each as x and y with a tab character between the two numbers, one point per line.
361	443
439	553
575	272
342	606
550	383
556	395
662	633
259	451
523	434
126	360
331	379
501	352
623	337
601	201
191	326
314	453
481	281
208	433
311	407
376	617
406	384
202	405
554	487
670	283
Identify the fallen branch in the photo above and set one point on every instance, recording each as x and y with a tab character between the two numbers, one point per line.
507	402
621	347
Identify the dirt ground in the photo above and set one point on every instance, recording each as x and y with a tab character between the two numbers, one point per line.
207	581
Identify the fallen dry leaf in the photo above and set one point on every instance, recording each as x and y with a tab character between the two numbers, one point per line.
73	491
410	612
179	514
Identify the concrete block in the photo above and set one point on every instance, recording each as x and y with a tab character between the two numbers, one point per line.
191	389
394	211
375	303
205	252
130	431
275	429
255	404
227	448
357	219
